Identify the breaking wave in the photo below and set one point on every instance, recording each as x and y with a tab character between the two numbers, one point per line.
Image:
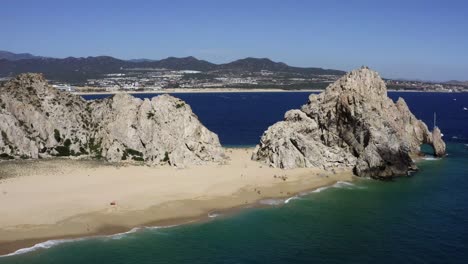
213	214
272	201
339	184
430	158
42	245
291	198
51	243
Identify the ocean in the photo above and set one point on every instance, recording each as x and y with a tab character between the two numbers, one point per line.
417	219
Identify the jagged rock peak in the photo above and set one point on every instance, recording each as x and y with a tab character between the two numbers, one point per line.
29	78
351	124
30	87
361	81
37	121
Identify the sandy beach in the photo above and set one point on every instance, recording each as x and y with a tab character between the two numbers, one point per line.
62	198
201	90
229	90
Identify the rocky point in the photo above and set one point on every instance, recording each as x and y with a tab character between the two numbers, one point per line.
352	124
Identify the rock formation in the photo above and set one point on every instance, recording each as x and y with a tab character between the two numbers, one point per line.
352	124
37	121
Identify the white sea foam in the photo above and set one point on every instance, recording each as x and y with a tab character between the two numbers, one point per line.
213	214
51	243
272	201
291	198
42	245
347	185
339	184
298	196
430	158
343	184
121	235
164	227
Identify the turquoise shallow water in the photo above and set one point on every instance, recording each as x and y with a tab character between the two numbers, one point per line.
418	219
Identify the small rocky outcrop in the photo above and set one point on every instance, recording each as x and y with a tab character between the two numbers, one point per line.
37	121
352	124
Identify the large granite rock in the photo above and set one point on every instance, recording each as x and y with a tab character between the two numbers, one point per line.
163	129
352	124
37	121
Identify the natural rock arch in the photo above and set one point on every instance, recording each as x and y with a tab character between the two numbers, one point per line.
352	124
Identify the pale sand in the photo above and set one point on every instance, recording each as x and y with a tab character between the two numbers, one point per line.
201	90
226	90
66	198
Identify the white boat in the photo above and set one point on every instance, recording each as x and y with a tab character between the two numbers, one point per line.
464	108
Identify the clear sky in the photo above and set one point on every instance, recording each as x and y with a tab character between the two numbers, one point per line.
400	39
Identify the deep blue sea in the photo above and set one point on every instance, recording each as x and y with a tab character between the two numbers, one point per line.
418	219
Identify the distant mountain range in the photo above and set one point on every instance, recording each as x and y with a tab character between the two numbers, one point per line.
16	56
73	69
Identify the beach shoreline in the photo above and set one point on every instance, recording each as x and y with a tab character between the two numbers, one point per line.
143	196
199	90
231	90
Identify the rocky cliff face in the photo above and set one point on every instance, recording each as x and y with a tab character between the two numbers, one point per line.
37	121
352	124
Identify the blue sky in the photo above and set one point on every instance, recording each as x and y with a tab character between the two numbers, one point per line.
400	39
